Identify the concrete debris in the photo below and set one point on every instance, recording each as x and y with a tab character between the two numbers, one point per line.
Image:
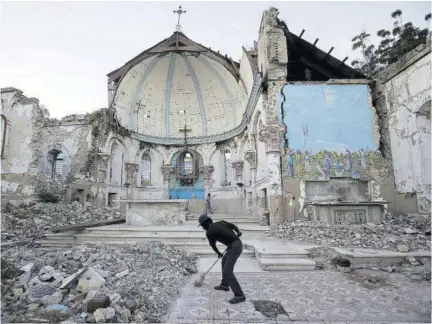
401	233
29	224
141	293
417	269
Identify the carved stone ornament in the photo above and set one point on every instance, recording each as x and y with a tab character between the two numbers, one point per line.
103	161
238	167
207	171
250	157
272	136
167	171
131	171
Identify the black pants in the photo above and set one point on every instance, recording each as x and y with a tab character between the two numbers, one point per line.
234	250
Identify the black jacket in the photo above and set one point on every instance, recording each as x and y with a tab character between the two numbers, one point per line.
223	232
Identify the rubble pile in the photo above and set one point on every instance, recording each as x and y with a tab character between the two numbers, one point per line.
401	233
31	223
94	283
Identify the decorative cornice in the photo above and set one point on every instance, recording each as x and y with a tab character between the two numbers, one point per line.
196	140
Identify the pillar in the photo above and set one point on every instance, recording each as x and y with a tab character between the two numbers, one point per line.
167	171
272	136
250	157
207	173
102	163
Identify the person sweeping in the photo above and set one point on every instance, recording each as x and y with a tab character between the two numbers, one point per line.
223	232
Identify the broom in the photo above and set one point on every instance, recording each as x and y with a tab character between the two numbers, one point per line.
199	282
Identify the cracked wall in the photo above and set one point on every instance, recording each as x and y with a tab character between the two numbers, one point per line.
404	90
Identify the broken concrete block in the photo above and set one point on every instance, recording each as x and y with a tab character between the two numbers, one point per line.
72	278
122	274
46	269
125	315
108	312
412	260
97	301
99	316
90	280
402	248
45	277
28	267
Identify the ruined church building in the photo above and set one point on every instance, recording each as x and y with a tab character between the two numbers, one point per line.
288	132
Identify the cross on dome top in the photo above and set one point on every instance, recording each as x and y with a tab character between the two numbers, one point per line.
179	11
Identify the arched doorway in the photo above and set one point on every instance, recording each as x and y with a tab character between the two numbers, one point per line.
188	183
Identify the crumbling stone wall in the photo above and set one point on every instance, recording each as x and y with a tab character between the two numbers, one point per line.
402	97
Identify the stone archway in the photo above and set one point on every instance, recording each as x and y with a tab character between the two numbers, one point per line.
188	181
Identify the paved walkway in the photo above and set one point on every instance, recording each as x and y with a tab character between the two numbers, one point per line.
307	296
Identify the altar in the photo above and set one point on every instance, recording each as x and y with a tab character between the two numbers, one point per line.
154	212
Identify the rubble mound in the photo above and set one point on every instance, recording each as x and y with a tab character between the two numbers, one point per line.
401	233
95	283
29	224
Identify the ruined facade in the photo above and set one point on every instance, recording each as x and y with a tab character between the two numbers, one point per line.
184	121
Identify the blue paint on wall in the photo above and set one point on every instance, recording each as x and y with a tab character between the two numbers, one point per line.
138	89
328	117
168	88
199	94
186	193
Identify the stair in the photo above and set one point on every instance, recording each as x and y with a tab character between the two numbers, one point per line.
271	254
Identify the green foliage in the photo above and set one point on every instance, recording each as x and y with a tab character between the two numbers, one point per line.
394	43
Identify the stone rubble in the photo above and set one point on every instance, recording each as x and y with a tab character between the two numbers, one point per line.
403	233
414	268
141	281
30	224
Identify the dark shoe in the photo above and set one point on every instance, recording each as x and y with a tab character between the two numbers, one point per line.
223	288
237	299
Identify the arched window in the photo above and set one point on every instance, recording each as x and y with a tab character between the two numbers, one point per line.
187	164
56	164
227	168
145	169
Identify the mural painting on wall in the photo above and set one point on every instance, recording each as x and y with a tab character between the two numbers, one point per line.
329	132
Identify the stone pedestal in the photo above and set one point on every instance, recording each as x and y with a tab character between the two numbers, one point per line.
167	171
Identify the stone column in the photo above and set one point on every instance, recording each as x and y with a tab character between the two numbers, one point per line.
131	172
272	136
102	163
250	157
207	172
167	171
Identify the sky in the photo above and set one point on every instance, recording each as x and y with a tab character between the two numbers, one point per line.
61	52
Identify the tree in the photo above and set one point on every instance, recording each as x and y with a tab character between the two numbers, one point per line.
394	43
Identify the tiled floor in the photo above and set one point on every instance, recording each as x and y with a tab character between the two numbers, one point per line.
307	296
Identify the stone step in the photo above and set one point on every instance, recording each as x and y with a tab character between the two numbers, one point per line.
288	264
185	228
203	250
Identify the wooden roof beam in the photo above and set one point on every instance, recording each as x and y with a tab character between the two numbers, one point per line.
328	53
318	68
344	60
301	34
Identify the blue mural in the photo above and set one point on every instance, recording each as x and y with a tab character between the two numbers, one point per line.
329	131
328	117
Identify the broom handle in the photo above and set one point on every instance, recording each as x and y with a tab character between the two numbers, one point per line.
205	274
